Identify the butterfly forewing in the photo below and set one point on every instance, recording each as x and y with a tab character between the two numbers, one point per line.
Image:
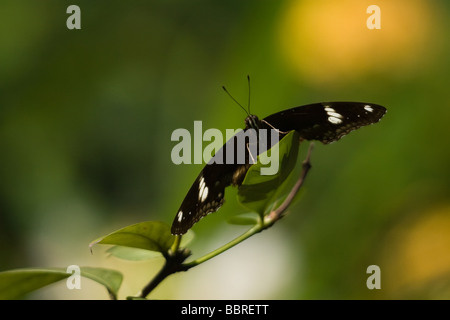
327	121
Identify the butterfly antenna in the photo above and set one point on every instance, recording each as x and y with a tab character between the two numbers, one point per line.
248	104
225	89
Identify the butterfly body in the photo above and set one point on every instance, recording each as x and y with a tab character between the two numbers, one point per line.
325	122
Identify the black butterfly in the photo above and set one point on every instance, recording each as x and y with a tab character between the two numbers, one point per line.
326	122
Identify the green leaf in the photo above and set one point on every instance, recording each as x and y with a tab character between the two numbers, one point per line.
110	279
136	254
187	238
132	254
258	192
244	219
149	235
15	284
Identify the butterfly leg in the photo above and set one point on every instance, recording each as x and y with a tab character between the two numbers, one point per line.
277	130
250	153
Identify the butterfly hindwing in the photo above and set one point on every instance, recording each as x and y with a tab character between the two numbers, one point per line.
206	195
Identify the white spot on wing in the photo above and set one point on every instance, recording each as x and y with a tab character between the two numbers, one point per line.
202	190
334	120
204	194
333	116
180	216
368	108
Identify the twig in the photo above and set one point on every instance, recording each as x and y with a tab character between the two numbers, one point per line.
173	264
279	212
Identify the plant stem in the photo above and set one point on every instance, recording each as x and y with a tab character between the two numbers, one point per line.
173	264
250	232
175	245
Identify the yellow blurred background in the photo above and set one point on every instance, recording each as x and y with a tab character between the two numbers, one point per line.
86	118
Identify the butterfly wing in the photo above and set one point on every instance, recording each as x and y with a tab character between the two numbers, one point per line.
327	121
206	194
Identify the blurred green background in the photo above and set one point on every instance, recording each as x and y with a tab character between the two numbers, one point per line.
86	118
